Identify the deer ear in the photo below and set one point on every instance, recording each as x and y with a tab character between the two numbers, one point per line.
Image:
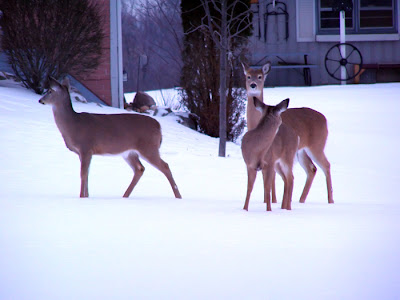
266	68
282	106
53	83
258	104
65	83
52	80
245	67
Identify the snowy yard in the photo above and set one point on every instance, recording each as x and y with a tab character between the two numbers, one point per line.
54	245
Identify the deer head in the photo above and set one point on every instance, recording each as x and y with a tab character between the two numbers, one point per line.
255	79
56	88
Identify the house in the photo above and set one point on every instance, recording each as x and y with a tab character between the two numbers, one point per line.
103	85
291	33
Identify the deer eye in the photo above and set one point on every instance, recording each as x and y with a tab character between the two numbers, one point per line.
259	77
248	77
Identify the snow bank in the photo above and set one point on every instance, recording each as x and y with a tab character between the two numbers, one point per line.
54	245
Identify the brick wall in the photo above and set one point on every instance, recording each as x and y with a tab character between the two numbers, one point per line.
99	80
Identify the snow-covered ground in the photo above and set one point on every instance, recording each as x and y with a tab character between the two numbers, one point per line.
54	245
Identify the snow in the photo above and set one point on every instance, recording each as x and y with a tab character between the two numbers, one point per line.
54	245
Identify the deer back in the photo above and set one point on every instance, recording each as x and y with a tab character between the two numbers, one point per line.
284	146
100	133
310	125
116	133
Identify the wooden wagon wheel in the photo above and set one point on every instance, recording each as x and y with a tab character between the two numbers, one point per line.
334	60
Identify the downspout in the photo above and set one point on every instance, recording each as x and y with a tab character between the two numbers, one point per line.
117	93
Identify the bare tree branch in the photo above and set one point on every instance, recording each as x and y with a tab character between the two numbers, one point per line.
154	30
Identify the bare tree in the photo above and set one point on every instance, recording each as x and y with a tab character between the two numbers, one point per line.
228	22
152	28
200	78
223	31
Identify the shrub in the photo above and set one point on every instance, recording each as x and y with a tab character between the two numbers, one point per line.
201	71
51	38
201	96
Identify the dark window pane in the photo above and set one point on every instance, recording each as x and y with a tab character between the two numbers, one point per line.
377	3
326	3
376	14
330	19
376	18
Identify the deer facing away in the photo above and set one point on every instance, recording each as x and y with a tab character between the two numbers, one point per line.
86	134
310	126
256	144
280	158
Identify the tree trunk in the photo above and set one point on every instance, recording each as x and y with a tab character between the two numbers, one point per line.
222	81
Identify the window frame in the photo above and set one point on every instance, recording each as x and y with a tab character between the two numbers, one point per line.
356	29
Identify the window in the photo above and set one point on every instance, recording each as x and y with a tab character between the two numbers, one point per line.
329	19
367	17
376	14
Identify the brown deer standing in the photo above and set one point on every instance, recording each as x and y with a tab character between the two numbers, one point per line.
255	145
310	125
280	158
129	135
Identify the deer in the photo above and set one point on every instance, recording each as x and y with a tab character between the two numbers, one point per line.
280	158
310	126
257	143
129	135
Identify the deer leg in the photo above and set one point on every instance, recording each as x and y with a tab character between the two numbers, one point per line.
324	164
269	175
155	160
281	172
85	163
273	190
133	161
289	183
251	177
308	166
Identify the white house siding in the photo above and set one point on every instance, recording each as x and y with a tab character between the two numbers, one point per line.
302	38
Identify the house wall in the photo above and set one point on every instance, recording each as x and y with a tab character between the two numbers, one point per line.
99	80
303	38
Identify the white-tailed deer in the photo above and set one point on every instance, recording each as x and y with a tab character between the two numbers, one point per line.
257	142
310	125
129	135
280	158
255	79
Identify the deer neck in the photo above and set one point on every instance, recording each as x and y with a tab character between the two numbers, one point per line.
253	115
266	130
256	142
64	116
